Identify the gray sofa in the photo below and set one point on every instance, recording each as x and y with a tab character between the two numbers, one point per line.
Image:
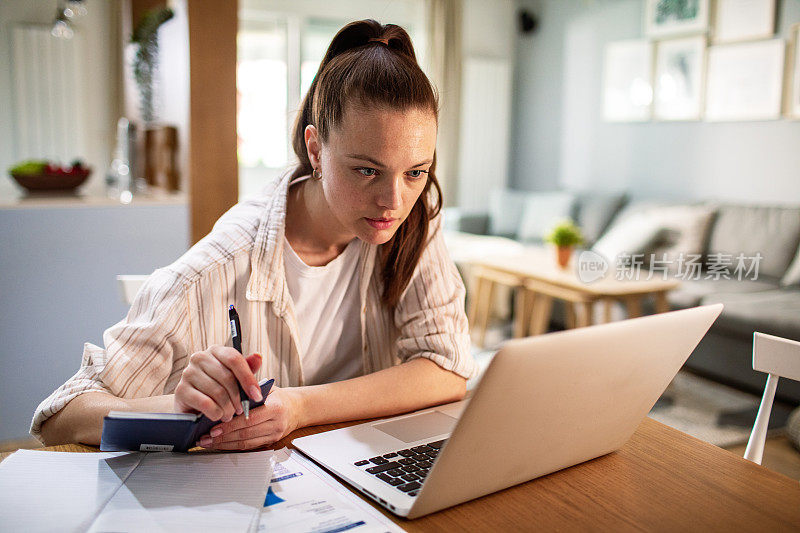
770	303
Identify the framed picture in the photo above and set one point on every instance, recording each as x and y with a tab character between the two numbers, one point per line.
745	81
743	20
627	81
663	18
794	90
679	79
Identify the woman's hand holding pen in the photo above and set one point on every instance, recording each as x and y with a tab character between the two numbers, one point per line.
268	424
209	383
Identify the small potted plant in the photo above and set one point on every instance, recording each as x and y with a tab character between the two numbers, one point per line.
565	236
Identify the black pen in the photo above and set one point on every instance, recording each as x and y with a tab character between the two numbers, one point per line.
236	336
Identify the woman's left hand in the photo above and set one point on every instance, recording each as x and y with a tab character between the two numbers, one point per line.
269	423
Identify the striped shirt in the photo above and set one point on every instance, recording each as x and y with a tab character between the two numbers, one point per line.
182	309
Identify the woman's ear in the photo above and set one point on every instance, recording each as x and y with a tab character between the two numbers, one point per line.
312	145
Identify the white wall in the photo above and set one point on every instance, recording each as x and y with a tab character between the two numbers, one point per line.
560	139
100	94
488	30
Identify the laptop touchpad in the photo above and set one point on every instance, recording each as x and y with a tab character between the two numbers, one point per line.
418	427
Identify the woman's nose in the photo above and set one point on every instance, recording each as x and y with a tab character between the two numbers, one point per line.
390	196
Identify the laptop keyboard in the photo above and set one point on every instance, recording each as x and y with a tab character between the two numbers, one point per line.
406	469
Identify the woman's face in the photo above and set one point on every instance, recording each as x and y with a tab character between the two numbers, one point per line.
374	166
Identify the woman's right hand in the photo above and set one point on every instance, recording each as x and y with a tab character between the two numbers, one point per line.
209	383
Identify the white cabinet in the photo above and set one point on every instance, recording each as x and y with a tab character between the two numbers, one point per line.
58	288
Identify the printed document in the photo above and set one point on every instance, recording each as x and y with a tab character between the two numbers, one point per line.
304	498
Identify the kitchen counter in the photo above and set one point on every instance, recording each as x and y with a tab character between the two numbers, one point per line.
20	200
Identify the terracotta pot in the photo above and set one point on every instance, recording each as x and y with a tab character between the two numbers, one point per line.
564	254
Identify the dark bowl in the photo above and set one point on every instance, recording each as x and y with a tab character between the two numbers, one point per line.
52	181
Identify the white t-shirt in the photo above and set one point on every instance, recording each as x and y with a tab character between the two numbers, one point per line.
326	301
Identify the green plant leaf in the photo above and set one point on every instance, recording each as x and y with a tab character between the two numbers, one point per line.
565	233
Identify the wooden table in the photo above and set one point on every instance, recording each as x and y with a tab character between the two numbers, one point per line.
661	480
534	275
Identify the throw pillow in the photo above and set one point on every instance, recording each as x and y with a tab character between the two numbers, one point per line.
684	231
663	230
792	276
632	233
505	211
594	212
542	211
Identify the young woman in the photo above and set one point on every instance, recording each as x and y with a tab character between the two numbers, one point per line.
339	273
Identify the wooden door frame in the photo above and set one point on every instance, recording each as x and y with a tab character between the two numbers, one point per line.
213	165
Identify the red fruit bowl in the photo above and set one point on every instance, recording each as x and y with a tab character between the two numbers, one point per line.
53	181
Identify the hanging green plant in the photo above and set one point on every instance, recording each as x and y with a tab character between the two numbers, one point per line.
145	64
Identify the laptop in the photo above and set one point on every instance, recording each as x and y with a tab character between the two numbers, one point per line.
544	403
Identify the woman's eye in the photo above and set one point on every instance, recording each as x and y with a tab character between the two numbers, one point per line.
369	172
416	173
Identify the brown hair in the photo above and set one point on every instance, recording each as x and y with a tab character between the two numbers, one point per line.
374	65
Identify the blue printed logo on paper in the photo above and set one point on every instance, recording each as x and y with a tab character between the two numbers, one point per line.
272	498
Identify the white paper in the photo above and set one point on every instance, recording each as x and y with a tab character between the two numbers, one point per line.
194	492
59	491
303	498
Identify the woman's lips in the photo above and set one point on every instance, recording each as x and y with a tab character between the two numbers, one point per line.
380	223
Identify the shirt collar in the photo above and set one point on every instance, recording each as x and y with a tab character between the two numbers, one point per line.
267	278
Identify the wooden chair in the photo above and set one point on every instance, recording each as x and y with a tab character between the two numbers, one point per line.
777	357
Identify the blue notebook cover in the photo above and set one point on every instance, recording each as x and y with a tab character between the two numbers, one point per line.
160	432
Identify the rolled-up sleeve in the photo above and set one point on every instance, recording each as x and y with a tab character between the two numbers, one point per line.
142	352
430	314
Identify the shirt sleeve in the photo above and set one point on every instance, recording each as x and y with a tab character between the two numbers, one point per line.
141	352
430	314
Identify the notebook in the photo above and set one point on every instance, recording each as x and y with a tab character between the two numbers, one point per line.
160	432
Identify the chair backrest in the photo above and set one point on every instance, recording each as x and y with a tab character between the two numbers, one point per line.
776	357
129	286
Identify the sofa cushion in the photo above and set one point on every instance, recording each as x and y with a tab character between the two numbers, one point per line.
684	231
505	211
541	212
457	219
792	276
593	212
772	231
691	292
654	228
776	312
632	232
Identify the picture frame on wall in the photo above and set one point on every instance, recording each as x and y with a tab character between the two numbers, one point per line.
745	81
679	79
670	18
744	20
794	89
627	81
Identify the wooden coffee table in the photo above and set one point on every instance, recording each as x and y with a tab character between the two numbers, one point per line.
533	273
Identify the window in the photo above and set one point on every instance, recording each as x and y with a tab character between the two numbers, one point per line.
280	46
261	77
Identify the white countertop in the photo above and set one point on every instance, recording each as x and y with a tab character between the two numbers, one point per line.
35	201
